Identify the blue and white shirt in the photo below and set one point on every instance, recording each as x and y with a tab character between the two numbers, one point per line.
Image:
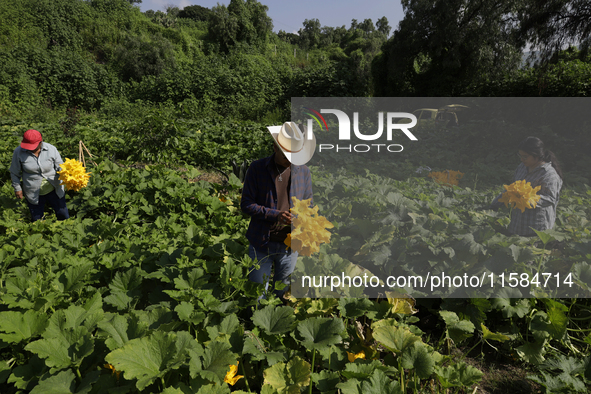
33	169
543	216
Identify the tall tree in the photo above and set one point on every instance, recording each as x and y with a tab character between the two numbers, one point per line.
195	12
367	26
310	34
551	25
243	21
441	47
383	26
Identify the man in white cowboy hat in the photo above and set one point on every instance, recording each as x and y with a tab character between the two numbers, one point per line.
269	185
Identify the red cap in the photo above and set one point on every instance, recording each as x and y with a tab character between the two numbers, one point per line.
31	139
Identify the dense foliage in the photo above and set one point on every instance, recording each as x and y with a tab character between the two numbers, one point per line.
144	289
154	258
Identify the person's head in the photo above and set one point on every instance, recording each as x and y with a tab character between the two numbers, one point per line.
280	156
293	142
31	140
532	153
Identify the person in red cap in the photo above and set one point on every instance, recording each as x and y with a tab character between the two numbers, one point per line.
38	163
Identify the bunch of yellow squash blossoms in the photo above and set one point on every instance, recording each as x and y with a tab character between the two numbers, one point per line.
447	177
73	175
520	195
309	229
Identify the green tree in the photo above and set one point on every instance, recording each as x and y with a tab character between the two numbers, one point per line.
551	25
310	34
367	26
242	21
441	48
290	38
383	26
140	56
195	12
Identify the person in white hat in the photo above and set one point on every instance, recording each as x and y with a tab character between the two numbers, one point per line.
269	186
37	163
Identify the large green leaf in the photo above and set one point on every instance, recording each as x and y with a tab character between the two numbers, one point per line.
355	307
320	332
350	386
290	377
458	375
214	389
213	362
362	370
65	383
229	325
73	278
417	357
18	326
67	349
230	331
186	312
532	352
26	376
159	317
511	303
558	319
62	383
458	330
395	339
274	320
379	383
254	346
125	289
115	328
147	359
172	390
326	381
545	236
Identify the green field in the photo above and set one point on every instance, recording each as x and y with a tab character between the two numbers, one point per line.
149	275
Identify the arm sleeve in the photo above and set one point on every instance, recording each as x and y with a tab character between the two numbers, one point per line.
248	203
308	191
16	172
551	184
57	160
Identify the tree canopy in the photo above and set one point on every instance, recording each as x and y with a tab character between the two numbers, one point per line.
552	25
441	47
242	21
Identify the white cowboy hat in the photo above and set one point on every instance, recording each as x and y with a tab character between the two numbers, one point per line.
297	147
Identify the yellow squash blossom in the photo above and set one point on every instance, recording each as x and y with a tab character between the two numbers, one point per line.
447	177
520	195
231	377
73	175
352	356
309	228
114	371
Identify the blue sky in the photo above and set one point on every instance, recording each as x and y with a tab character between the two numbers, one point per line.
289	15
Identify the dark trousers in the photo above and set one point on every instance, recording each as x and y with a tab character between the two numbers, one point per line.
58	205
